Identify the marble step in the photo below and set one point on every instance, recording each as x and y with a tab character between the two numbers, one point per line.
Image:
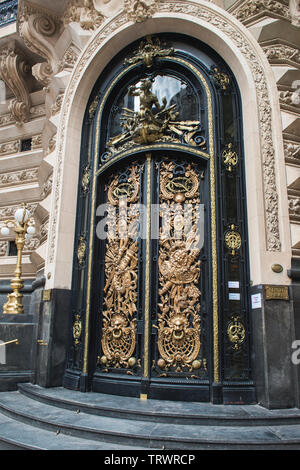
160	410
16	435
98	430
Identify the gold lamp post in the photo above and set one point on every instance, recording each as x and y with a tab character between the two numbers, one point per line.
23	228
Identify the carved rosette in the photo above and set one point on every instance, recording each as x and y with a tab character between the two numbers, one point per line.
121	273
179	322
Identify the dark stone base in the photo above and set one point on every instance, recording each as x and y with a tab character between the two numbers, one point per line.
153	389
9	380
242	394
273	335
71	379
53	330
239	395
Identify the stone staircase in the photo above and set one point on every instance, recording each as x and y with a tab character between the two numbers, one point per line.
59	419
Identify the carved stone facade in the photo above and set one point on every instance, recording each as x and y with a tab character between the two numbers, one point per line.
46	64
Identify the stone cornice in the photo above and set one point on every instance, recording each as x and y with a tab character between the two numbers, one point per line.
250	12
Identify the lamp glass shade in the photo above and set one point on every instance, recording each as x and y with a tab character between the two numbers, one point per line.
31	230
5	231
21	215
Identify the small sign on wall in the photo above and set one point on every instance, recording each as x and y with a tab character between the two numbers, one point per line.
234	296
256	301
233	285
2	352
277	293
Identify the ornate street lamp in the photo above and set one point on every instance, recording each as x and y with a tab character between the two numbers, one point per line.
24	228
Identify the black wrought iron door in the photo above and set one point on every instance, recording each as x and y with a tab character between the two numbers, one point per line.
160	290
153	301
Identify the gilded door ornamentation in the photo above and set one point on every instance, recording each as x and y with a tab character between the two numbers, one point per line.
179	266
160	304
121	273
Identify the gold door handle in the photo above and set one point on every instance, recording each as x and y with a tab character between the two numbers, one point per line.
10	342
41	342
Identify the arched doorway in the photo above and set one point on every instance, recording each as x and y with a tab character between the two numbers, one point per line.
160	284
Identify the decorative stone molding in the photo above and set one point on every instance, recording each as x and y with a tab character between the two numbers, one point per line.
37	111
3	248
36	142
69	59
295	12
234	34
34	112
140	10
31	244
84	13
51	145
281	53
292	152
8	211
10	147
14	146
14	71
290	99
55	108
39	29
248	12
47	187
44	229
294	208
18	177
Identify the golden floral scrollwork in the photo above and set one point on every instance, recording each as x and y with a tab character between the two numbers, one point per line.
77	329
236	332
81	250
221	79
86	178
233	239
121	273
148	50
179	323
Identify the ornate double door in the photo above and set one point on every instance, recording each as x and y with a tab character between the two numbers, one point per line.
151	279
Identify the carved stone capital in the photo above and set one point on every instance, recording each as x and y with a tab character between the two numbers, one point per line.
14	71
